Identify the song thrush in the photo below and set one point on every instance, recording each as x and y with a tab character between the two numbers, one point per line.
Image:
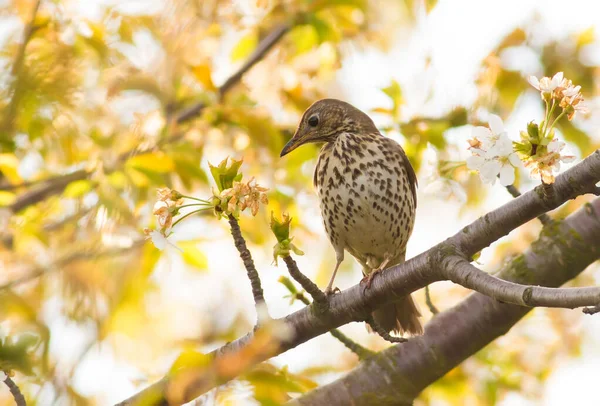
367	189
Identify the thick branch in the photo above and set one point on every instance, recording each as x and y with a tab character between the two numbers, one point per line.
401	280
398	374
514	192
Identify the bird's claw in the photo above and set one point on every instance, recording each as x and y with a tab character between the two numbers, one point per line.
331	292
368	279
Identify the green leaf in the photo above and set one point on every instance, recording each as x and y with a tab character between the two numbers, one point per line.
225	175
78	188
7	198
192	254
245	46
155	162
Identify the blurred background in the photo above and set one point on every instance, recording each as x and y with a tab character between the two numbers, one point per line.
104	101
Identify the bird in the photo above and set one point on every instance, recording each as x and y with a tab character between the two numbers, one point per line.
367	192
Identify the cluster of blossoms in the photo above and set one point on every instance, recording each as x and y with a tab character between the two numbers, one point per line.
495	155
238	197
561	91
168	205
231	197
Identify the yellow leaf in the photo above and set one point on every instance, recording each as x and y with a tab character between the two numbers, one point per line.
78	188
154	162
245	46
192	254
202	74
9	167
7	198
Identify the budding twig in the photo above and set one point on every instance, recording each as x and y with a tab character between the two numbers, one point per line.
15	391
309	286
352	345
429	302
240	244
591	310
382	333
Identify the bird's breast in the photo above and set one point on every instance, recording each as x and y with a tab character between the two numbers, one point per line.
365	195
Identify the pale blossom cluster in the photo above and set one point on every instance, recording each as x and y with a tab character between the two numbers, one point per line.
560	89
167	206
492	152
244	195
544	165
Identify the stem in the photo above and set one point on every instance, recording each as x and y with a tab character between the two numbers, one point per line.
382	333
434	310
309	286
240	244
557	118
15	391
195	198
359	350
188	214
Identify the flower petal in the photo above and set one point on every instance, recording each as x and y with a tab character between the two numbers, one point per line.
489	171
496	124
534	81
507	175
475	162
514	160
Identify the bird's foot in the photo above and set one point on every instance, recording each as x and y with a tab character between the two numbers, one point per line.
368	279
330	292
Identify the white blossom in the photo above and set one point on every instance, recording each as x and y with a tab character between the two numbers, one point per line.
493	154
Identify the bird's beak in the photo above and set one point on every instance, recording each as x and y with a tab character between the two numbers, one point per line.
291	145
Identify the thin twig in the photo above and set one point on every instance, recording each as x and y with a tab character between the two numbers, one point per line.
18	66
429	302
60	263
240	244
382	333
57	184
591	310
544	218
359	350
15	391
319	297
261	50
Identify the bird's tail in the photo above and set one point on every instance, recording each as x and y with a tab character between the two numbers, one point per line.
401	317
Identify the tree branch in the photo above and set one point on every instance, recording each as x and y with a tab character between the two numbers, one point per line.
17	66
309	286
416	273
382	333
460	271
514	192
398	374
56	185
38	271
15	391
240	244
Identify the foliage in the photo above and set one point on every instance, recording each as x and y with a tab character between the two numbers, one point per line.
90	128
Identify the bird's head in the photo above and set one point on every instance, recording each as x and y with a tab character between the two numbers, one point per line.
325	120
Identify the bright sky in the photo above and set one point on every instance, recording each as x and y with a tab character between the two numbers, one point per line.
457	35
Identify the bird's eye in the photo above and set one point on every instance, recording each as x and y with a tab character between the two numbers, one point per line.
313	121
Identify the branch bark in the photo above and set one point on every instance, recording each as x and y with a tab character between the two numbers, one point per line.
246	257
401	280
398	374
15	391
